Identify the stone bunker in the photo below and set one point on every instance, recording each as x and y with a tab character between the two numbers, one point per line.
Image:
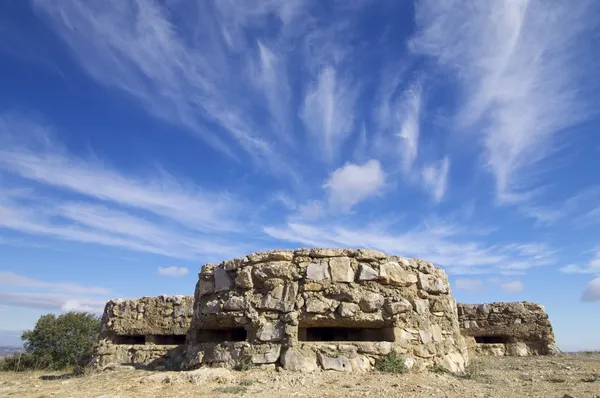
323	308
146	331
313	309
515	329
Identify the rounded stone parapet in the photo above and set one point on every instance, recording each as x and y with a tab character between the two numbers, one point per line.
320	308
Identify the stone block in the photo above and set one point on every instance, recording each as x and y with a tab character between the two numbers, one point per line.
341	270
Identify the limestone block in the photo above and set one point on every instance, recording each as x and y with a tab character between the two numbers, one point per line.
421	306
266	354
206	287
360	364
367	273
369	255
298	361
320	252
317	271
340	363
425	336
270	331
243	280
348	310
211	307
436	333
284	270
392	273
340	269
273	255
517	349
454	362
281	298
393	307
374	347
235	303
318	304
371	302
222	280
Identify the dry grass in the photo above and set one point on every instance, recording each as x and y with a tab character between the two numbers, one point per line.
576	375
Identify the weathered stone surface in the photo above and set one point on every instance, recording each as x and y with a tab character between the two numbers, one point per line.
304	309
397	307
367	255
148	316
297	361
348	310
393	273
271	332
367	273
514	328
243	280
340	269
371	302
339	363
222	280
317	271
318	305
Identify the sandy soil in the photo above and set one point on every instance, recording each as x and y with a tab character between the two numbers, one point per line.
576	376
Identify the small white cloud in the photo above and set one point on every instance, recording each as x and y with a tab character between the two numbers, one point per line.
513	286
354	183
592	291
409	132
173	271
592	267
435	178
469	284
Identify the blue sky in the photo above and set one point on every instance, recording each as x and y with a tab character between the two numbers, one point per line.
142	139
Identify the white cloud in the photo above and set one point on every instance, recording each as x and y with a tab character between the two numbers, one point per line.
354	183
173	271
469	284
443	244
523	74
592	291
409	130
592	267
54	302
12	279
328	111
435	178
29	152
513	286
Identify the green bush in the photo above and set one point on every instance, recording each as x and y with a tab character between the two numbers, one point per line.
392	363
56	343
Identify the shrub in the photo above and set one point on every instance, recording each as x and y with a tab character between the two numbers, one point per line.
56	343
392	363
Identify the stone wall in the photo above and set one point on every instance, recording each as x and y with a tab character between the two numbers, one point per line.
516	329
323	308
146	331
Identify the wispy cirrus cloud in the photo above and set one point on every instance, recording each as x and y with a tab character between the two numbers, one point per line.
444	244
53	302
12	279
513	286
172	271
157	214
591	267
521	68
474	285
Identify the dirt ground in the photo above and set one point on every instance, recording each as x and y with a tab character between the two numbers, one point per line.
566	376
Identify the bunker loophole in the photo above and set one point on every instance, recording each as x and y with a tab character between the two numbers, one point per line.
492	339
345	334
130	339
221	335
